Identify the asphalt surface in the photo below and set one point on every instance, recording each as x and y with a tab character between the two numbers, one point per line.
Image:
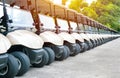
100	62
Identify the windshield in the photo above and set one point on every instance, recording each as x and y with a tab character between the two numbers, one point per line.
19	18
81	27
63	24
73	25
48	22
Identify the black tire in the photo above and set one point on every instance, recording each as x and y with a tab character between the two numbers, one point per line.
90	44
44	60
51	55
86	47
66	53
61	56
12	67
24	62
68	50
83	46
78	48
97	43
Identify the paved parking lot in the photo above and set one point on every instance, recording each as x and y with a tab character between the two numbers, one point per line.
100	62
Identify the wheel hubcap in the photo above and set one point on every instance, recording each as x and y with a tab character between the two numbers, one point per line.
4	70
19	63
58	55
39	60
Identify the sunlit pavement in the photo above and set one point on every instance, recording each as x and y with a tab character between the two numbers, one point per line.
100	62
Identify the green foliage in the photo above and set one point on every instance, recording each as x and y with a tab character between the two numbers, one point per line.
106	12
89	12
75	4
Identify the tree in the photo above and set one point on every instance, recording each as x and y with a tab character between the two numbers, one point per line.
89	12
106	12
77	5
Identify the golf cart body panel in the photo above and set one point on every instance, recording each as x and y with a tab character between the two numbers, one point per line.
25	38
4	44
51	37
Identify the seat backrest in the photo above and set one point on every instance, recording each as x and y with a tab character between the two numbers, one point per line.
59	11
47	22
44	7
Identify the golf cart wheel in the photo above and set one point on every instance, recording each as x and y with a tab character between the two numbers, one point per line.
51	55
11	68
42	61
23	61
